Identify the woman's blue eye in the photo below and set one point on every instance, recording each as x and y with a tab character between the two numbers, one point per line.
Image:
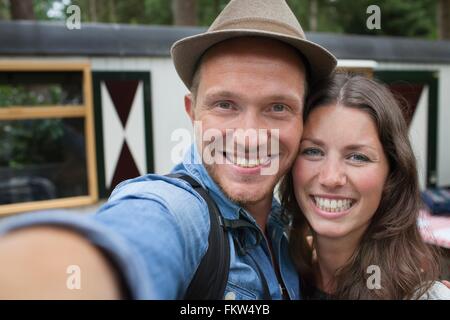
359	157
312	152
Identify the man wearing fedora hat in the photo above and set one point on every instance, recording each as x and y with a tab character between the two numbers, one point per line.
249	71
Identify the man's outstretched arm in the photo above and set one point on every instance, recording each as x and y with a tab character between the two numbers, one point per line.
155	247
41	263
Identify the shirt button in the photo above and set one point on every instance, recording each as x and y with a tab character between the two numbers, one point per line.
230	296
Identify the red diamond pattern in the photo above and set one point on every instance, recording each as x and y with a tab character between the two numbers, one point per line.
122	94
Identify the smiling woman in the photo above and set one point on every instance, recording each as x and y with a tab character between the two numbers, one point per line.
340	172
354	189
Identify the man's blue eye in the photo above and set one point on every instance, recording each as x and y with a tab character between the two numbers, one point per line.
224	105
278	107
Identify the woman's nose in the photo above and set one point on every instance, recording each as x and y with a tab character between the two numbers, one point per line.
332	174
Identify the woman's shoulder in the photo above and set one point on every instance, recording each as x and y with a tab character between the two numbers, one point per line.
438	291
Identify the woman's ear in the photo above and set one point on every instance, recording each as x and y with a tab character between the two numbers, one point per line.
189	106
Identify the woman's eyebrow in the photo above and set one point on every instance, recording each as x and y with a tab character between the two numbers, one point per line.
359	146
313	140
351	147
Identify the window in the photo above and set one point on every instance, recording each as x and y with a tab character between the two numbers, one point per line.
47	153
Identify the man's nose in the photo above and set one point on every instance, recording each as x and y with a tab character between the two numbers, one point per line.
332	174
251	120
253	129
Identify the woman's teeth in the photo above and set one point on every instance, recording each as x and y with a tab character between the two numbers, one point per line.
333	205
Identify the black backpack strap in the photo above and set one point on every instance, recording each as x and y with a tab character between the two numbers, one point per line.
243	250
210	279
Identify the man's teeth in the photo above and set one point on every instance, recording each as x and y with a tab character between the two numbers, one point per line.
333	205
248	163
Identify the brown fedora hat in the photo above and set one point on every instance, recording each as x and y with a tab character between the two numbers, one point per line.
264	18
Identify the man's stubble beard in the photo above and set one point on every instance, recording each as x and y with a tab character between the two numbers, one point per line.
244	200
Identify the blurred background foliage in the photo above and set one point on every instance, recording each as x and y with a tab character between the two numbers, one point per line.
27	142
413	18
31	142
21	95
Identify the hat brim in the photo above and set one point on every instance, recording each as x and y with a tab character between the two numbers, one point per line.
186	52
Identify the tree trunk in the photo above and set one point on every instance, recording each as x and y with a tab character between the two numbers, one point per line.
112	11
22	10
93	10
184	12
444	19
313	13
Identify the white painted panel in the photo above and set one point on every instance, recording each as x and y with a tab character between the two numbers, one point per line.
418	135
135	130
113	135
443	165
391	66
353	63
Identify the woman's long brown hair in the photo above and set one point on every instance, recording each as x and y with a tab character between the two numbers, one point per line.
392	240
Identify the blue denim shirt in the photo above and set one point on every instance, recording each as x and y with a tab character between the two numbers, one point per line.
156	229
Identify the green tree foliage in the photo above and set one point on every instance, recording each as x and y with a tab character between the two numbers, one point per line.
141	12
156	12
414	18
301	10
209	9
41	8
4	10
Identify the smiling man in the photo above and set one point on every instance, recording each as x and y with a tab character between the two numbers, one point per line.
248	73
250	84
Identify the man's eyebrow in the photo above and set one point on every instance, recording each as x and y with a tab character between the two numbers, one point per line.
221	94
274	97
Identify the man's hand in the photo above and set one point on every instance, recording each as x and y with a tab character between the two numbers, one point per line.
34	264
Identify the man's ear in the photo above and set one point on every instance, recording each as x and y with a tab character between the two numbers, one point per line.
189	106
